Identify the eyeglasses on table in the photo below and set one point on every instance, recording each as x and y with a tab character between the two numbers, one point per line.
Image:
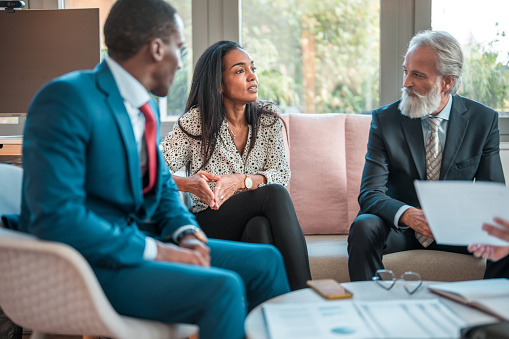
387	279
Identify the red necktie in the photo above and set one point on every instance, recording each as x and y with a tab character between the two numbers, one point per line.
150	139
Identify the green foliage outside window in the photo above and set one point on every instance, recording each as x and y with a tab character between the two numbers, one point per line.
315	56
177	98
324	56
486	78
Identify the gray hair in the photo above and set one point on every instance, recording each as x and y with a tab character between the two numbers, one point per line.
449	56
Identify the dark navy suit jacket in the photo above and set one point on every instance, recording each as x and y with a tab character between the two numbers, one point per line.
396	155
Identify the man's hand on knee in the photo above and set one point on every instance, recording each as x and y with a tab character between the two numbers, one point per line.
190	242
415	219
174	253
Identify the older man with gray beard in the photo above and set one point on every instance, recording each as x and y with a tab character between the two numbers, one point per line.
430	134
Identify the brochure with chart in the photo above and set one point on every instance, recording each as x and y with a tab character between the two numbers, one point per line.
429	318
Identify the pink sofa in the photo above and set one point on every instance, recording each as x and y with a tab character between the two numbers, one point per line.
326	155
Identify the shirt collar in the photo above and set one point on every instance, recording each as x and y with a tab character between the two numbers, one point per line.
129	87
445	113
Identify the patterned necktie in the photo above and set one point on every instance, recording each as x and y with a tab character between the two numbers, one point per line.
150	140
433	163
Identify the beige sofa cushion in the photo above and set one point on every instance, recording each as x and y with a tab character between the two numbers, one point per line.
325	174
328	259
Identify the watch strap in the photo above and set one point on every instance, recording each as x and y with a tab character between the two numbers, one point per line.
195	231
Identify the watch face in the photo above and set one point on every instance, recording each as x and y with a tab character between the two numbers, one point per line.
248	182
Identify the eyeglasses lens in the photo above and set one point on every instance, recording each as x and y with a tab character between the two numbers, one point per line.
385	278
412	281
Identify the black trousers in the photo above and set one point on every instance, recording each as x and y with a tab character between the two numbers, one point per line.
497	269
370	238
265	215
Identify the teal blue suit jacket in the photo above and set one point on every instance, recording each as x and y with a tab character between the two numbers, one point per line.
82	180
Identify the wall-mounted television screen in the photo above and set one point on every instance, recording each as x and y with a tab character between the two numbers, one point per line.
38	45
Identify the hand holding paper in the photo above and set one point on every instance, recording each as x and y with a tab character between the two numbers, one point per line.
456	210
501	232
494	253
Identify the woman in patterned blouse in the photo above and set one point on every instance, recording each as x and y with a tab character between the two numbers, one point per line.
232	147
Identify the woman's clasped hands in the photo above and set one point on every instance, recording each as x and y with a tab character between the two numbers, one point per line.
225	187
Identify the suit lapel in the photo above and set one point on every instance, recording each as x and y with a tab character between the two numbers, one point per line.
115	103
412	129
456	129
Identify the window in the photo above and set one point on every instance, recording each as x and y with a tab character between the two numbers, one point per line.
315	56
8	120
485	46
174	104
104	8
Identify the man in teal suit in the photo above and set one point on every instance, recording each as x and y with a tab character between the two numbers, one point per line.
91	181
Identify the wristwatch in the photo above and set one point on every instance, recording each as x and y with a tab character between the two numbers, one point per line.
197	232
248	182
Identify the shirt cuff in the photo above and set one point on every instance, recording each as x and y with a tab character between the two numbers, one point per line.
150	252
267	176
398	215
179	230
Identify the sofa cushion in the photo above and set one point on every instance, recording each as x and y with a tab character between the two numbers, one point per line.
325	173
328	259
436	265
318	183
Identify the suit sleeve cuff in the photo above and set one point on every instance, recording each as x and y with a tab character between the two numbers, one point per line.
398	215
150	252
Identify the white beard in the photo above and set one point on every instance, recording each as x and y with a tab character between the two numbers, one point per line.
420	105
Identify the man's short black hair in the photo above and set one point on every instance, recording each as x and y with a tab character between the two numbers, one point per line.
133	23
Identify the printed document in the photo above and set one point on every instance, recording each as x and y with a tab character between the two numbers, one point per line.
428	318
456	210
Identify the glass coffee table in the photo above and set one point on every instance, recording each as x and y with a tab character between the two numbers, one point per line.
256	327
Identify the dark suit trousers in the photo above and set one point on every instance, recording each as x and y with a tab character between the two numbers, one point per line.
370	238
265	215
498	269
215	298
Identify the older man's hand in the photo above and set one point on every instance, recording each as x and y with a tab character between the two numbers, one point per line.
415	219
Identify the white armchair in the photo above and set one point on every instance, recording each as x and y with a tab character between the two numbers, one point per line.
50	288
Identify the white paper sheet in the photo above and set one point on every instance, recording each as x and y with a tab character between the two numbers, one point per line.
456	210
327	320
428	318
